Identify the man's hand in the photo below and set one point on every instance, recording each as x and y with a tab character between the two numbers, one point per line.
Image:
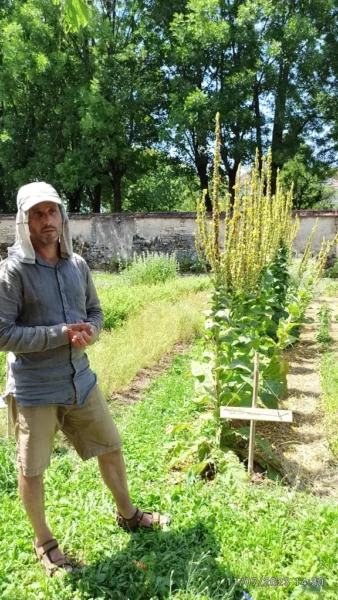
80	334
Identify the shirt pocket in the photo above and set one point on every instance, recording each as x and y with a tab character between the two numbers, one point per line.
76	291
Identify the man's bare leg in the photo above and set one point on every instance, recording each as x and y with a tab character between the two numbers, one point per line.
113	471
32	496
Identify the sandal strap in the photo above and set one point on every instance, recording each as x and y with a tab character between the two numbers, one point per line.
156	518
130	524
135	522
135	515
61	562
46	547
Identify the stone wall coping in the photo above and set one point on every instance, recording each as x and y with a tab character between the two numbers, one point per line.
171	215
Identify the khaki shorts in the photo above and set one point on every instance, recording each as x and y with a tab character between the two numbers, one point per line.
90	429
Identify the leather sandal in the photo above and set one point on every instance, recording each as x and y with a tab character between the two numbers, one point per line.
51	567
135	523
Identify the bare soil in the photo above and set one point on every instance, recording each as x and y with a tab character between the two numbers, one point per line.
143	379
302	446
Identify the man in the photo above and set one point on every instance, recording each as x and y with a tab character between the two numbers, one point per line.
49	314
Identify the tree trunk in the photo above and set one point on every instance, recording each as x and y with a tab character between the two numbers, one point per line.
202	166
95	198
279	121
74	200
117	169
258	122
117	194
232	173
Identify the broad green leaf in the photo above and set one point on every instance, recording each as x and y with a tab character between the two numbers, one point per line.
238	364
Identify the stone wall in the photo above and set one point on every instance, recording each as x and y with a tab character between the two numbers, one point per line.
104	238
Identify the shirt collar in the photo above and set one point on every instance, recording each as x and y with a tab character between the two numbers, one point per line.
44	263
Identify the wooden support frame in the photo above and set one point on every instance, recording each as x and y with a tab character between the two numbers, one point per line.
254	414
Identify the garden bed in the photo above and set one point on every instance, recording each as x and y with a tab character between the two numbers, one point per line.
302	446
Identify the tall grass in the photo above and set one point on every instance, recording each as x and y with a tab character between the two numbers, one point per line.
144	338
2	371
329	378
152	268
119	300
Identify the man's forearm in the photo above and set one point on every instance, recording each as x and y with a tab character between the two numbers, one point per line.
14	338
95	318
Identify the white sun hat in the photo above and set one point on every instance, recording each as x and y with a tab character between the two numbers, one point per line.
33	193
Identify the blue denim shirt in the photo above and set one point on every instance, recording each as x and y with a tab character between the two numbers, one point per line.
36	301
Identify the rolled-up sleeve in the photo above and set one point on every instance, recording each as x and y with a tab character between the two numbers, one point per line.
13	337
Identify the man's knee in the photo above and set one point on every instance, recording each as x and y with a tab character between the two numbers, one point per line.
110	457
27	481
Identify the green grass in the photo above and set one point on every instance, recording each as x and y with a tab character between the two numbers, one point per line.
328	287
220	531
2	371
324	338
150	268
144	339
329	377
120	300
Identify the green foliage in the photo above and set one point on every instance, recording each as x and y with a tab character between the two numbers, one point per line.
323	335
309	176
332	272
297	301
119	299
92	90
77	13
236	328
2	371
150	268
329	381
215	529
160	183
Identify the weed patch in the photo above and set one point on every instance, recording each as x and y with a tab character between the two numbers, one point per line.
150	268
323	335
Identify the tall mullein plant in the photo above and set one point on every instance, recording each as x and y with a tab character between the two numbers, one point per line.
255	226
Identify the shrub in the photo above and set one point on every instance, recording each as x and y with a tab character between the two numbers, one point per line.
149	268
332	272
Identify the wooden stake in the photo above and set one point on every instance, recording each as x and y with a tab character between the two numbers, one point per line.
254	414
253	423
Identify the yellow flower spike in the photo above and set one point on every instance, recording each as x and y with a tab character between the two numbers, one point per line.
254	227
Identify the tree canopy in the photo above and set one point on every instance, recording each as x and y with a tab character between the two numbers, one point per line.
114	102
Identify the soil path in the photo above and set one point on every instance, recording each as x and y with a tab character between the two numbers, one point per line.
135	389
302	445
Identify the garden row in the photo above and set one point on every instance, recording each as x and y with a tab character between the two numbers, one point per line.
257	306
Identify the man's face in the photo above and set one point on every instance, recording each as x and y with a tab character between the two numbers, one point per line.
45	223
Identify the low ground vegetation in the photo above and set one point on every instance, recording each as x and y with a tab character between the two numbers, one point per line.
225	537
120	300
144	339
224	533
